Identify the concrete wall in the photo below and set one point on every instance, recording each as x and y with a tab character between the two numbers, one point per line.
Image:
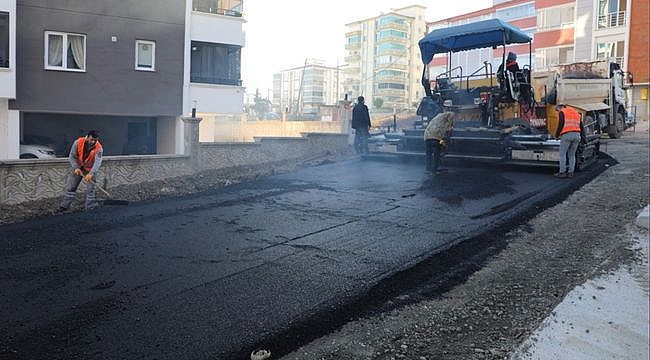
215	129
110	85
27	180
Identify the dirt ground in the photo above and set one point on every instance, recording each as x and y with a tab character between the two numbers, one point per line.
491	313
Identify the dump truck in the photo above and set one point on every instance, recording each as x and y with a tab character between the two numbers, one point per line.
508	117
596	88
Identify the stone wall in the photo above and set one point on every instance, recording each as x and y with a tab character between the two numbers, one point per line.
27	180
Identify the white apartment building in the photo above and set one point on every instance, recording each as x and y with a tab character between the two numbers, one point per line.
305	89
383	59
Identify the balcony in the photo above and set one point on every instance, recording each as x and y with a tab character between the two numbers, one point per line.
353	46
393	25
352	58
388	66
394	52
393	40
611	20
219	7
353	33
390	92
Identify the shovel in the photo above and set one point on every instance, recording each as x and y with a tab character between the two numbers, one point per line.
110	200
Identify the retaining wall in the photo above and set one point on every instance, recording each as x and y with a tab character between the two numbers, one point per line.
27	180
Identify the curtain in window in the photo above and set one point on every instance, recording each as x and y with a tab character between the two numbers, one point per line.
55	50
76	44
145	55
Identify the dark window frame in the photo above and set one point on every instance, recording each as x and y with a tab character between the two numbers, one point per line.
4	39
214	63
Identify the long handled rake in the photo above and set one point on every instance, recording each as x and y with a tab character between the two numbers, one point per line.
110	200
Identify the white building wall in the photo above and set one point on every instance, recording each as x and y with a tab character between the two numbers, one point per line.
9	123
8	76
9	131
220	29
209	98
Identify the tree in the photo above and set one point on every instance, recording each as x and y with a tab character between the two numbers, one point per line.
377	103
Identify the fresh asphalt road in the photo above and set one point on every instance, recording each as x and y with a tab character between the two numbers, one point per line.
213	274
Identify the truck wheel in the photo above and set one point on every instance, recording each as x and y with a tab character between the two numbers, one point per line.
616	130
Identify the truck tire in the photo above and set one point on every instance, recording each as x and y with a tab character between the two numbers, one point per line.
616	130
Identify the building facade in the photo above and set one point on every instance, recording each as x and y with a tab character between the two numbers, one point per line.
383	58
128	69
565	31
305	89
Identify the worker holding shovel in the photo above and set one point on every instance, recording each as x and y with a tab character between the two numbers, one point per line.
85	158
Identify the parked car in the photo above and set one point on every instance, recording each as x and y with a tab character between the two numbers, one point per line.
35	151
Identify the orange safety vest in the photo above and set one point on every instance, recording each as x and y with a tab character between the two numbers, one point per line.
87	163
571	121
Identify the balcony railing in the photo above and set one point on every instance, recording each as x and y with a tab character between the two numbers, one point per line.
214	80
611	20
219	7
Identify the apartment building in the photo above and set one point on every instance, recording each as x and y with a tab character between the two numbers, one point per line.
305	89
383	58
566	31
128	69
8	120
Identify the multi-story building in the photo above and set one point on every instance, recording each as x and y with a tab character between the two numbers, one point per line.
638	48
305	89
128	69
566	31
8	120
383	59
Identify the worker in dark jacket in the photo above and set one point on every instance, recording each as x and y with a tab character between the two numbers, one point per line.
361	126
85	159
570	131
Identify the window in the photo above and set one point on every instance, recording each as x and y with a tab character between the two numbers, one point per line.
611	13
611	49
555	17
4	39
547	58
516	12
145	55
65	51
215	63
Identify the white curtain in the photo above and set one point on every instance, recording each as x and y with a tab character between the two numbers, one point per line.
55	50
76	43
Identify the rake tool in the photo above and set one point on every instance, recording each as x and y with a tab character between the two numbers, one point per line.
110	200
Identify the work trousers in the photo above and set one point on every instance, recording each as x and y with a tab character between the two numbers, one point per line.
432	154
71	190
568	146
361	136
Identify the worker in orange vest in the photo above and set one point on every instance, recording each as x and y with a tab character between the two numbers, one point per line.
85	158
570	131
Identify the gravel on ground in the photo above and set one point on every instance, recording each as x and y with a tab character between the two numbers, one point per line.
502	303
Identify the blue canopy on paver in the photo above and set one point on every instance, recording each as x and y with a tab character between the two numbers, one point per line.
476	35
